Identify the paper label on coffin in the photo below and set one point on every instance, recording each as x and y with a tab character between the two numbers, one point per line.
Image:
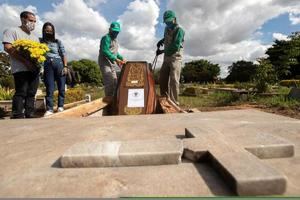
136	98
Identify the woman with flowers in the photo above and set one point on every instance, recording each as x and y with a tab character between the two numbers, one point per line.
54	68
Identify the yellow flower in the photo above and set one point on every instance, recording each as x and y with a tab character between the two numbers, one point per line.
35	50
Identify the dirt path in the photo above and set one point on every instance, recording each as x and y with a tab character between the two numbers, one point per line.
279	111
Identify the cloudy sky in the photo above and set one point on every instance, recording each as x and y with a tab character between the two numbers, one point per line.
222	31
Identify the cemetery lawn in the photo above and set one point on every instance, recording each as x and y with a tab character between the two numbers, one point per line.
216	101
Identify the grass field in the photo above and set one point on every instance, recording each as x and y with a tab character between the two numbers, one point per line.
277	103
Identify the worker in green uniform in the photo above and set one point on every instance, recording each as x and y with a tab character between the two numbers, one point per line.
109	58
173	53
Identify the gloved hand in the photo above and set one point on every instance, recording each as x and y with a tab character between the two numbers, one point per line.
158	52
120	63
160	44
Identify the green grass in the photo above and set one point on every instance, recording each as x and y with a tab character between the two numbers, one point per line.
216	99
220	99
277	101
282	90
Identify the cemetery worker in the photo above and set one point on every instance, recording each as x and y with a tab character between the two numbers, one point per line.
54	65
173	53
25	73
109	59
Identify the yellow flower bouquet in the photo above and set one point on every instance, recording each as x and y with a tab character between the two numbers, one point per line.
33	51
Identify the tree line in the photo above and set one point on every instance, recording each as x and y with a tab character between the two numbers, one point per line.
282	62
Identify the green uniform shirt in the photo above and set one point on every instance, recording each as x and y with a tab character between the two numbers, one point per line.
109	49
173	40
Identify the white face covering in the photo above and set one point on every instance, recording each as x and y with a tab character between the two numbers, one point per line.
30	26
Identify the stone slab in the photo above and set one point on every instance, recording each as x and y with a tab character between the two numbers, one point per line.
261	144
244	172
247	175
29	150
123	154
265	145
272	151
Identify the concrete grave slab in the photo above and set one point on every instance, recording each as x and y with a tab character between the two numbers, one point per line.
123	154
30	149
261	144
245	173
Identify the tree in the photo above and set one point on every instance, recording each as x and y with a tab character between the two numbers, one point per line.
264	76
241	71
88	71
285	57
6	78
4	62
201	71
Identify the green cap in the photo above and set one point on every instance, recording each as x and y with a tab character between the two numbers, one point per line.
169	16
115	26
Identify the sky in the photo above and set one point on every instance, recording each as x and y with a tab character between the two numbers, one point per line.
221	31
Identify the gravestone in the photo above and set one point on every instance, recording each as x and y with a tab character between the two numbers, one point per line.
236	160
294	93
30	150
123	154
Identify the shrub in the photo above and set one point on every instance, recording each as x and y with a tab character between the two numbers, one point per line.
7	82
202	71
241	71
6	94
72	95
89	71
265	75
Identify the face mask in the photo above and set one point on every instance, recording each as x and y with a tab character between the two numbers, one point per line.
170	25
114	34
49	35
30	26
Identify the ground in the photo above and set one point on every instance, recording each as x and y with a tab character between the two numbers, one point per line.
30	150
275	110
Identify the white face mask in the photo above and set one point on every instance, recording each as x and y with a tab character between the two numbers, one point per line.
30	26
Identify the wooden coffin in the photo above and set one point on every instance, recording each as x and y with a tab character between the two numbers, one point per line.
136	90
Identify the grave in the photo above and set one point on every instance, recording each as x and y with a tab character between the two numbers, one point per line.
245	174
123	154
30	153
